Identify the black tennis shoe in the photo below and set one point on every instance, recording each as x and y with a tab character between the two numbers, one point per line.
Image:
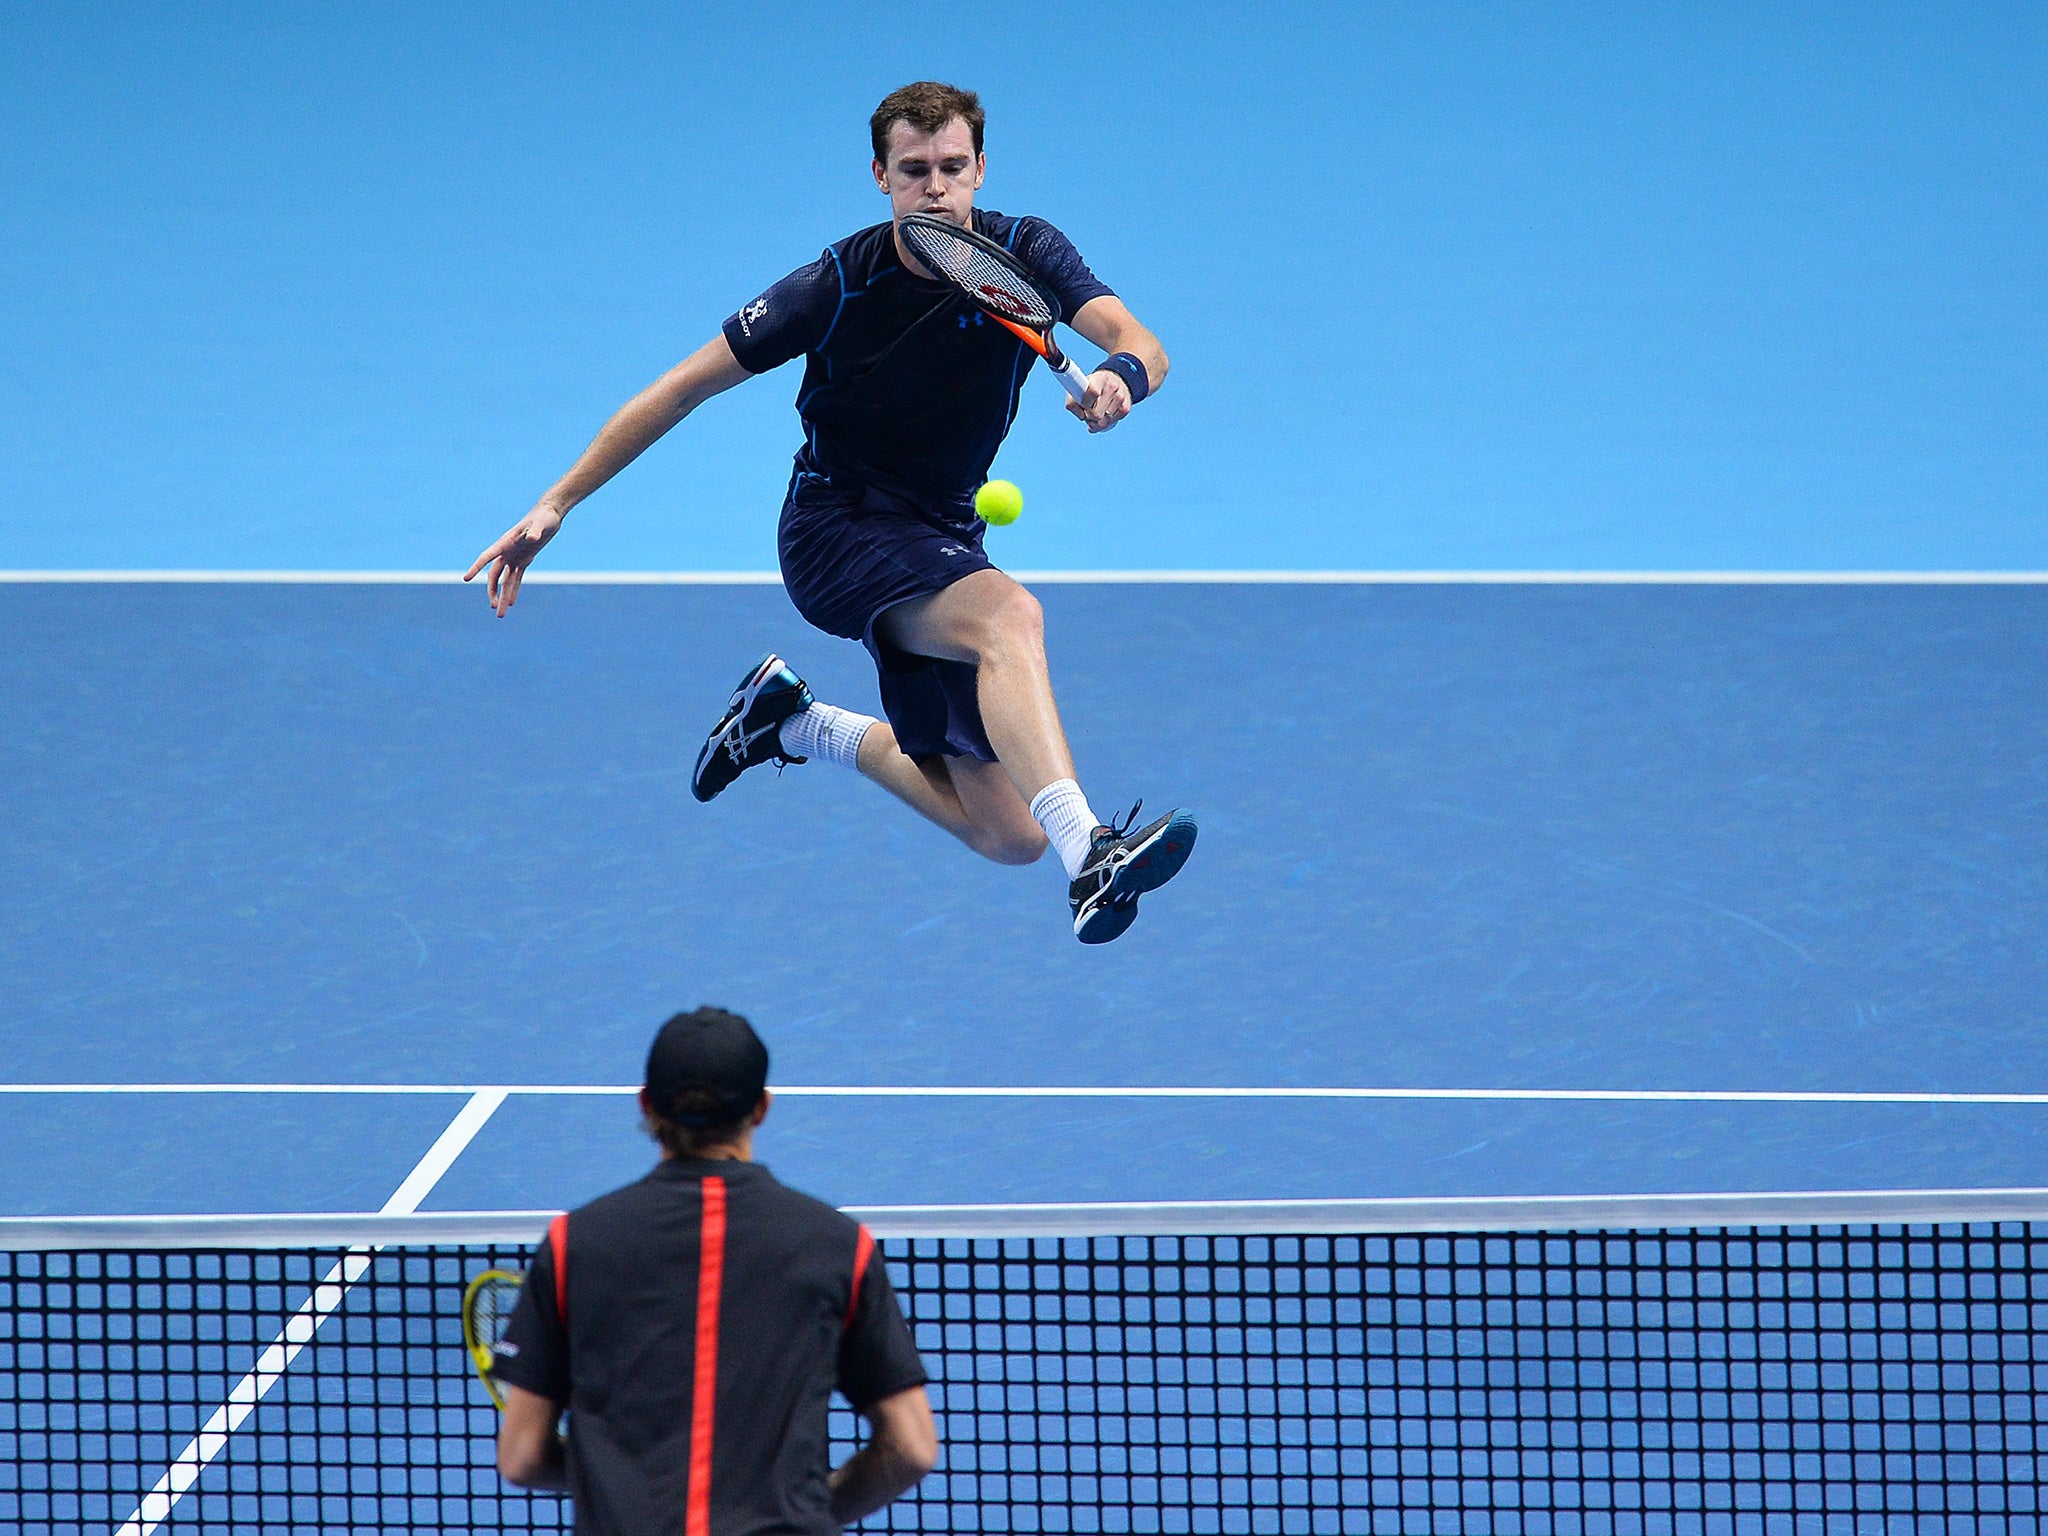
1122	865
749	733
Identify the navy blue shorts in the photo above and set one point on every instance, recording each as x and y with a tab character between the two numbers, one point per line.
849	558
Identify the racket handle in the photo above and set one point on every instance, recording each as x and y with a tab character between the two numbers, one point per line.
1071	378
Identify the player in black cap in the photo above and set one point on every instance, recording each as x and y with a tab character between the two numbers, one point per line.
697	1324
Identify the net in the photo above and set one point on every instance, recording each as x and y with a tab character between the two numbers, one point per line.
985	275
1811	1379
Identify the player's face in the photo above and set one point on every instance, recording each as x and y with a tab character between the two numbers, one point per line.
935	173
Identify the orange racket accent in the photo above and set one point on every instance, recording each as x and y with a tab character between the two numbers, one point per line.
704	1394
1025	334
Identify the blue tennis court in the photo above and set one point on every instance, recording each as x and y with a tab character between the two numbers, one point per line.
1586	570
1673	948
1506	889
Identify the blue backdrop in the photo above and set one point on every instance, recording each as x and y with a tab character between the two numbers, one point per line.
1622	286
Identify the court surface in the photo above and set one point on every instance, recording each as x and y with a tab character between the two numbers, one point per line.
1597	888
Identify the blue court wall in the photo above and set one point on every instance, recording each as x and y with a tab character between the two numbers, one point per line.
1490	286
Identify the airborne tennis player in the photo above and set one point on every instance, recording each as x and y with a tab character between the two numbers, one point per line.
907	393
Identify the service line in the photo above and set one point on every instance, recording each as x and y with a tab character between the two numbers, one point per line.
300	1329
1082	1091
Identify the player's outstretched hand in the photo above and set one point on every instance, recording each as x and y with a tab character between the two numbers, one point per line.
1108	401
514	551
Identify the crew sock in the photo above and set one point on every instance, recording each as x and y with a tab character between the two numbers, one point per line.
1063	811
826	733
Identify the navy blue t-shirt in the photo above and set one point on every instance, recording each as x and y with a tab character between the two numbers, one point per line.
906	386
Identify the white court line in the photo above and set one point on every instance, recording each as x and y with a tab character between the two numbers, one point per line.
1079	1091
182	1474
395	578
445	1090
1083	578
1542	578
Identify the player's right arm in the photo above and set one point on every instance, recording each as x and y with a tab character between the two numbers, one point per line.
902	1448
636	427
881	1375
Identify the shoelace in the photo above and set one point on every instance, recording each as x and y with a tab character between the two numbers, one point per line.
1118	832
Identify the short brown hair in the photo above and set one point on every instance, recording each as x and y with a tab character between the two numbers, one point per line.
927	105
695	1123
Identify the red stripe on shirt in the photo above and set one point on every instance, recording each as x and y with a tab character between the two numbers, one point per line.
863	1250
558	1248
704	1395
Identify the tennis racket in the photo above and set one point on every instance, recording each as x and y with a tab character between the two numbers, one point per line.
486	1309
994	282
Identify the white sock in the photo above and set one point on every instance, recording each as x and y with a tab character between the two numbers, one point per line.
1063	811
826	734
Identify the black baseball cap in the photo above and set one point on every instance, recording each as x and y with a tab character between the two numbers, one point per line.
706	1054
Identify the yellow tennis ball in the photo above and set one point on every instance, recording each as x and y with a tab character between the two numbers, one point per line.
998	503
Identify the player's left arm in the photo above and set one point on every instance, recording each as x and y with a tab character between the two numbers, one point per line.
1105	321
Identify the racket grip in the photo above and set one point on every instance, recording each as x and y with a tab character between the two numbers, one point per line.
1071	378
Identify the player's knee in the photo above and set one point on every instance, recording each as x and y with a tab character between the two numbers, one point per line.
877	746
1014	624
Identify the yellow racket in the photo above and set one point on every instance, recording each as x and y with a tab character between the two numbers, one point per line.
486	1309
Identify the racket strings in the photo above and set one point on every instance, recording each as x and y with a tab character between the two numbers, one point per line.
487	1307
979	273
495	1300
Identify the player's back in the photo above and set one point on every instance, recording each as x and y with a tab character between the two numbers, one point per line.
711	1274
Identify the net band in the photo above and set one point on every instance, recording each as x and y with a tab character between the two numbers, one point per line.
1559	1213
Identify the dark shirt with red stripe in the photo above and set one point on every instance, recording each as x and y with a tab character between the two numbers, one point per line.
707	1275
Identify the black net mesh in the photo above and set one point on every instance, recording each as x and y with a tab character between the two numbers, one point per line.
982	274
1867	1379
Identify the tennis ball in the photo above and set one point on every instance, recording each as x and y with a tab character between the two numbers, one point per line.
998	503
